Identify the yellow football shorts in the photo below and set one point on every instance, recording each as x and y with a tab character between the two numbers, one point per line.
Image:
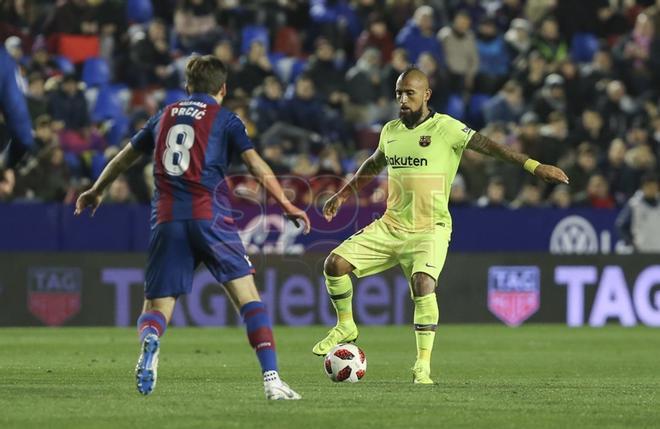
380	246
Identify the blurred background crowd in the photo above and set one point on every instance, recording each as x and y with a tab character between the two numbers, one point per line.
572	83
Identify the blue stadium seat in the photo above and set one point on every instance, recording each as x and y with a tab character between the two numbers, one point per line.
475	115
98	162
108	105
64	64
118	130
252	33
455	107
584	46
174	95
95	72
139	11
73	162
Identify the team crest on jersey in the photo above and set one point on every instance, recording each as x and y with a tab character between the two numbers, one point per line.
514	293
424	141
54	293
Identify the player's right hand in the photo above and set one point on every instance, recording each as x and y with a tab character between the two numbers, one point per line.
89	198
331	206
296	215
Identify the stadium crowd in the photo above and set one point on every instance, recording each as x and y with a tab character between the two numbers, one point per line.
572	83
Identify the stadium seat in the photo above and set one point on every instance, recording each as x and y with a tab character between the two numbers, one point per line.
583	47
139	11
108	103
98	162
76	47
63	64
174	95
287	42
455	107
251	33
475	115
95	72
118	130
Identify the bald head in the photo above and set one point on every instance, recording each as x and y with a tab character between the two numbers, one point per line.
412	94
414	77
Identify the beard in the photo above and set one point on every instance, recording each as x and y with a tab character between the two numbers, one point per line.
410	117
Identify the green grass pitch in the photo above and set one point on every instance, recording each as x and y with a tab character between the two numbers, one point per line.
488	376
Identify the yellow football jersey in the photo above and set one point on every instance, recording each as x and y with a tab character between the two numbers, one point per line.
421	165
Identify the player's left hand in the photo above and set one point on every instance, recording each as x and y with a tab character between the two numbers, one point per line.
296	215
89	198
551	174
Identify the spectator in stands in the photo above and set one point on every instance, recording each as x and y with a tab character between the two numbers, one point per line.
363	86
554	145
619	175
597	194
68	106
37	101
460	52
530	195
507	13
529	135
548	42
41	61
494	59
14	48
639	221
551	98
267	107
458	196
195	25
597	74
305	110
391	73
518	37
327	75
419	35
254	68
495	196
617	108
73	17
560	198
47	179
633	52
531	74
376	35
16	125
591	128
269	113
7	183
150	57
119	192
584	167
507	106
438	81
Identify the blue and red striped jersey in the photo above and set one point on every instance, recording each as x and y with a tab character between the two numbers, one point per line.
192	142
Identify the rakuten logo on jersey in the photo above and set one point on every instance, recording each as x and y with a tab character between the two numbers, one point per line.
406	161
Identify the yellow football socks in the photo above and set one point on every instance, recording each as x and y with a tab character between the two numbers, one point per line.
425	319
341	294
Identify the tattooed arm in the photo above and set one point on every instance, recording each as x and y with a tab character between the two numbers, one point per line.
369	169
486	146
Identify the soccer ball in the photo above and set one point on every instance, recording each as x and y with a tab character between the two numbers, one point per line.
345	362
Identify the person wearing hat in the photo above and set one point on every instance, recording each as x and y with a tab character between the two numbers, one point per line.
551	98
639	221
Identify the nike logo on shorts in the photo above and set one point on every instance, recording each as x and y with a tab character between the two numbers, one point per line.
430	266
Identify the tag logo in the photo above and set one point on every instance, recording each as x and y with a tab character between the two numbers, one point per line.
424	141
514	293
54	293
